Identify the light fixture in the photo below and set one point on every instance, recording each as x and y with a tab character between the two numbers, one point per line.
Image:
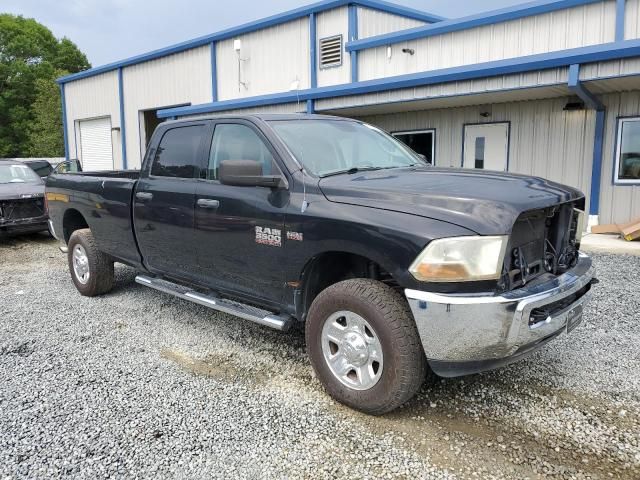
572	106
237	45
410	51
389	52
485	114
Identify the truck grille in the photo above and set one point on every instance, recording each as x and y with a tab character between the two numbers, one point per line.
22	209
543	242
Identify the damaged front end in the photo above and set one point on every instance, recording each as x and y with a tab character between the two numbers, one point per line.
23	215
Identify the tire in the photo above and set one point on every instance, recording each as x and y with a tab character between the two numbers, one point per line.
389	325
98	265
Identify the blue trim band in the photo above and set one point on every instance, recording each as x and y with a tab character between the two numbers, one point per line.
495	16
251	27
596	166
620	11
64	123
214	73
353	36
313	40
561	58
580	90
123	133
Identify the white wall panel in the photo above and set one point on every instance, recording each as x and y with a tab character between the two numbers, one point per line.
545	140
618	203
632	20
182	78
93	97
273	59
330	23
571	28
375	22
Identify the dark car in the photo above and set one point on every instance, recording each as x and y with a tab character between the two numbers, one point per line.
42	167
22	203
395	267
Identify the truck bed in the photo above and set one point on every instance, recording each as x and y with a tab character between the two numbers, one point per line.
104	200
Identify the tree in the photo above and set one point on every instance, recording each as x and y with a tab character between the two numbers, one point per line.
30	60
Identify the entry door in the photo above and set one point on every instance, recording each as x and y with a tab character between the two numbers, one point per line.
239	230
96	150
486	146
164	203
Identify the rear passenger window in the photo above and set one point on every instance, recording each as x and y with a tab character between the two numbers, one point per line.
177	155
237	142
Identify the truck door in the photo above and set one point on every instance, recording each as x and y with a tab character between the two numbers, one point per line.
164	201
239	229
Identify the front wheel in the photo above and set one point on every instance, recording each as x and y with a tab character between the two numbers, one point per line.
91	270
364	346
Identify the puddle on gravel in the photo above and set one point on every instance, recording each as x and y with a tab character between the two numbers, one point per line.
216	366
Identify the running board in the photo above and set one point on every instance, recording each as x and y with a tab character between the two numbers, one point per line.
253	314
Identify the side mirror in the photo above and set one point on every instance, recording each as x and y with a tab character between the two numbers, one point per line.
68	166
246	173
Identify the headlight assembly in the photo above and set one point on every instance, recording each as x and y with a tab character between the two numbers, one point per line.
461	259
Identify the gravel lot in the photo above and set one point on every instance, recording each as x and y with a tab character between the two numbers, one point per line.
138	384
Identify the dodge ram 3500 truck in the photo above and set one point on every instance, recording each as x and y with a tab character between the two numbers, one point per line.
397	269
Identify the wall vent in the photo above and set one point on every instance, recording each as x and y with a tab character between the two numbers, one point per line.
331	51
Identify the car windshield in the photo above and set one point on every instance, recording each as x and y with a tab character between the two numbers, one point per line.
18	174
329	147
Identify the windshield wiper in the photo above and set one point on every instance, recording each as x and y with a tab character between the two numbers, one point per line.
352	170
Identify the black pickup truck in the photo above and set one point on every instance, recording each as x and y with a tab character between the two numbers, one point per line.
398	269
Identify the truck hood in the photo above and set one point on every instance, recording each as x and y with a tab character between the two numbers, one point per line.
15	191
483	201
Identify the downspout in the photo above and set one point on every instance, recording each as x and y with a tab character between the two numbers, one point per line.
594	103
353	36
313	68
123	135
64	122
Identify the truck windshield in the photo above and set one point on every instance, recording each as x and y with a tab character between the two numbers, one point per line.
329	147
18	174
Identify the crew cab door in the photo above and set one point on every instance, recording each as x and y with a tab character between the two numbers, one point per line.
239	229
164	200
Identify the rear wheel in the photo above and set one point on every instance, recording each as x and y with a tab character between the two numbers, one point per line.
91	270
364	346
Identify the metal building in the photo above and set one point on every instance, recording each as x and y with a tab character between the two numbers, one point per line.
548	88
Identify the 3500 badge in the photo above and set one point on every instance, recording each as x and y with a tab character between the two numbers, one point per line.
269	236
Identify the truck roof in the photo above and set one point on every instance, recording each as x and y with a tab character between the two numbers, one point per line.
262	116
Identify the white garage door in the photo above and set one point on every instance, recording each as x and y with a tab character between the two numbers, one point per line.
95	144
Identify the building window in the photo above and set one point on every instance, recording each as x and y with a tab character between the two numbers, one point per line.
420	141
480	143
628	151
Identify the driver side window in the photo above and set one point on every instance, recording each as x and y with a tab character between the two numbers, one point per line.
237	142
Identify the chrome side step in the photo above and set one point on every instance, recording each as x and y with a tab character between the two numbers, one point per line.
253	314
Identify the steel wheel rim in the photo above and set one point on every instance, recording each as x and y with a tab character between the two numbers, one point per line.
352	350
80	263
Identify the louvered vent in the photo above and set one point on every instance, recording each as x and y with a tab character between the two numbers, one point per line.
331	51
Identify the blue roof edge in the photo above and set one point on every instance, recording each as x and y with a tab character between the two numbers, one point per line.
560	58
250	27
495	16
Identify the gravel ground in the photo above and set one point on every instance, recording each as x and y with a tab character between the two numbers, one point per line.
138	384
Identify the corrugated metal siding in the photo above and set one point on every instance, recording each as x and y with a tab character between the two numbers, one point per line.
505	82
545	140
575	27
183	78
329	23
91	98
632	20
374	22
274	58
618	203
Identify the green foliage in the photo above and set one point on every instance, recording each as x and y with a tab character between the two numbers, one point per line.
31	58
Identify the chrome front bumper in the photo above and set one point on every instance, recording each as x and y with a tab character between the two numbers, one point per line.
464	334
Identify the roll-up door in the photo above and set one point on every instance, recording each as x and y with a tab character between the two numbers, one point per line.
95	144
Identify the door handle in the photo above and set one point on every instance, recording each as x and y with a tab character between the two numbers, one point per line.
142	196
208	203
